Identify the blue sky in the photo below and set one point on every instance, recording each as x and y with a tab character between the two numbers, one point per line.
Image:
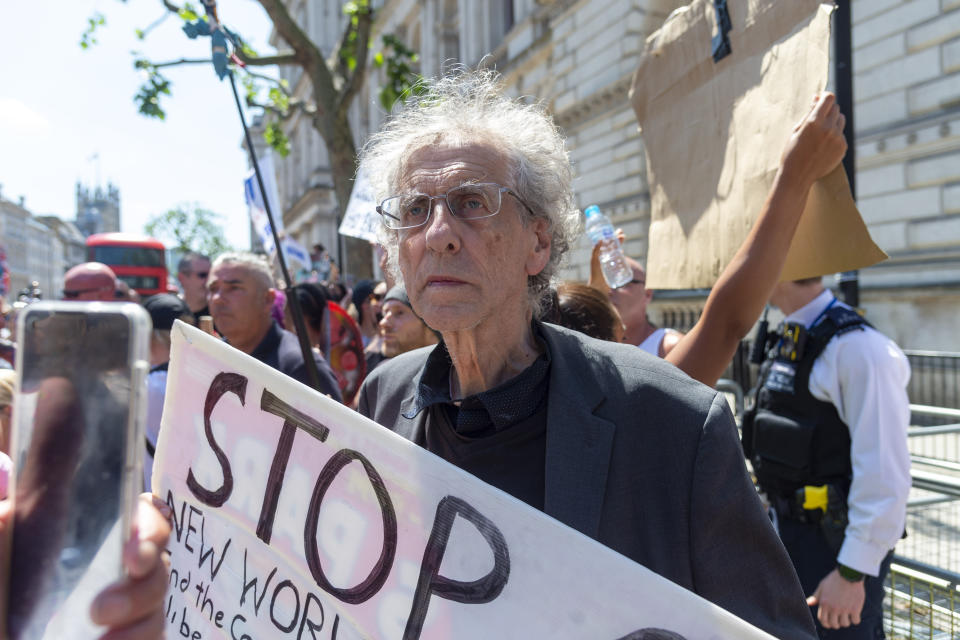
60	105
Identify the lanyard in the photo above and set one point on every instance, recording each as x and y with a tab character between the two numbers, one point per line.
822	313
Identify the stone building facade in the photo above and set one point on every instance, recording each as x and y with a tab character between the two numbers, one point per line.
907	93
38	249
579	55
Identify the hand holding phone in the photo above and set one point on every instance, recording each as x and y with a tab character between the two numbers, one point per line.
77	444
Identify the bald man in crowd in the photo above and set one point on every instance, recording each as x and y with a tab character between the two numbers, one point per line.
90	281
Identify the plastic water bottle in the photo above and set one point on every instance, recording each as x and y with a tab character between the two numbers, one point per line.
615	269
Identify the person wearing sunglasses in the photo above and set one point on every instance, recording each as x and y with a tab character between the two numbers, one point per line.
192	272
90	281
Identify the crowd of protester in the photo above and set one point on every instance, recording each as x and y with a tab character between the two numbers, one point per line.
490	335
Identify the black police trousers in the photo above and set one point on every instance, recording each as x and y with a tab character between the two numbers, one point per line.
813	559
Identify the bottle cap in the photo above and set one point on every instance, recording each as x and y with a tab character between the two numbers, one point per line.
592	210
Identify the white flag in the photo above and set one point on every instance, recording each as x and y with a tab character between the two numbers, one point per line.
292	250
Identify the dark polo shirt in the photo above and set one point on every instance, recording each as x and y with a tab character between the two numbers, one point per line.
281	350
498	435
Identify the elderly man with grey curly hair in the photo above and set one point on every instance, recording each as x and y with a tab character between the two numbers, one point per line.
478	210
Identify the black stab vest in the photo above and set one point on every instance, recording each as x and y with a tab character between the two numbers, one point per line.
791	438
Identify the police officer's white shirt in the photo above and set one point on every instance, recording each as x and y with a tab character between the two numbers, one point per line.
864	375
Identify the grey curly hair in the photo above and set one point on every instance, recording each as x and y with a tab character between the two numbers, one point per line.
257	265
470	105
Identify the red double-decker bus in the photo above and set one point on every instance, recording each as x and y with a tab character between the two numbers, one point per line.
140	261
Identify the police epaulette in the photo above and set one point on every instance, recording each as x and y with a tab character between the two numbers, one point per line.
836	321
845	319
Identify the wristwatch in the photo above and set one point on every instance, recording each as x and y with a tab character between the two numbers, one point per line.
848	574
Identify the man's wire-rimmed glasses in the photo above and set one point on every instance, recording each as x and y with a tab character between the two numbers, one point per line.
467	202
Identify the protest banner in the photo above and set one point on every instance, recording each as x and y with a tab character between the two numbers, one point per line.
361	219
292	250
294	516
714	131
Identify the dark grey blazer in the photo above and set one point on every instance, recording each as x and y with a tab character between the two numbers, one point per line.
647	461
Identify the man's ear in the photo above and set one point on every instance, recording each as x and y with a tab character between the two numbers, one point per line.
541	245
270	296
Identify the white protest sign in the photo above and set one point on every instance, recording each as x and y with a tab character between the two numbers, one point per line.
361	219
295	517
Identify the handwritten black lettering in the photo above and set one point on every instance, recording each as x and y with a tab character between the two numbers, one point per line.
252	584
431	582
292	420
286	628
190	527
211	552
306	620
223	383
233	634
652	634
177	522
185	628
378	574
184	581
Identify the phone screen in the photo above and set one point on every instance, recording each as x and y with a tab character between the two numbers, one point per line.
76	423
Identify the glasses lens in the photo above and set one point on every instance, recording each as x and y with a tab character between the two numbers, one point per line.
474	200
69	295
203	275
404	211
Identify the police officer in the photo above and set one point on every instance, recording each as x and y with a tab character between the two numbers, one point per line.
827	439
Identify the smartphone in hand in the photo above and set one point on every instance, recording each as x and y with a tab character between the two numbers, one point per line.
77	448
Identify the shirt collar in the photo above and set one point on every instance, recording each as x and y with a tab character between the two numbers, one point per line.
506	404
809	312
269	342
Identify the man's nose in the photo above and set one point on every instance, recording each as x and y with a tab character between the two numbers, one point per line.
442	231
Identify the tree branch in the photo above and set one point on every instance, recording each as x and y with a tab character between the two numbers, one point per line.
307	54
174	63
143	33
336	60
170	6
286	57
284	114
354	79
276	81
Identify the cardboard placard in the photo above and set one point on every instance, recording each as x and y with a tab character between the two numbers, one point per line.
296	517
714	133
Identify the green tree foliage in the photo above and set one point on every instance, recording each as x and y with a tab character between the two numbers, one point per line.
273	94
402	80
333	82
189	228
88	37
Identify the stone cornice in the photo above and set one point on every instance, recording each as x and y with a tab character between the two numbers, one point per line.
311	198
601	101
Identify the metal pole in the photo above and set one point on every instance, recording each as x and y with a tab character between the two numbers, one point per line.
341	254
292	299
843	84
